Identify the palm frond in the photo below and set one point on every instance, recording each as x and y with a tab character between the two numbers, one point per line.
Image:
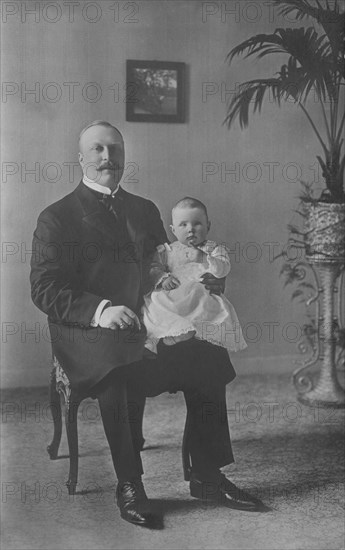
314	64
309	56
251	93
291	83
328	15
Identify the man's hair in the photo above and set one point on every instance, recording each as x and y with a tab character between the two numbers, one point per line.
99	123
190	202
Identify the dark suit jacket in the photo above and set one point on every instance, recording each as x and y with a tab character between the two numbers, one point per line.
81	258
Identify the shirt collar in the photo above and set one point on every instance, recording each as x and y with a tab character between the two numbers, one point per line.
100	188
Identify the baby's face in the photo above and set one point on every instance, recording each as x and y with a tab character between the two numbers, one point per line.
190	225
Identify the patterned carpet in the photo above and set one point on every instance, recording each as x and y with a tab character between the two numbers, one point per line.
288	455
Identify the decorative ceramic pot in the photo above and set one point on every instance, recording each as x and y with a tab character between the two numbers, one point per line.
325	232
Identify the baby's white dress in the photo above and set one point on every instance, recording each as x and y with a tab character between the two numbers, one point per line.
190	307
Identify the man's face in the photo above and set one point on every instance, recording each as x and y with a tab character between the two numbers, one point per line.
190	225
102	155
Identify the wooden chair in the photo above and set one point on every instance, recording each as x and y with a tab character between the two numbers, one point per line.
60	388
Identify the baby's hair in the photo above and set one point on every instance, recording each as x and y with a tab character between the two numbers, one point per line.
190	202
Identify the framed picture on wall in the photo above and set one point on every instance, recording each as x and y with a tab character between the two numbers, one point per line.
155	91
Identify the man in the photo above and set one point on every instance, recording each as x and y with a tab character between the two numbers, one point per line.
92	252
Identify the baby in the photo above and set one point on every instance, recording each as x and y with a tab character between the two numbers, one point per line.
180	307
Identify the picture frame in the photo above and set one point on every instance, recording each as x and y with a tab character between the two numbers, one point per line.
155	91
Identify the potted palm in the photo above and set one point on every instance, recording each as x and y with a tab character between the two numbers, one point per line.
315	65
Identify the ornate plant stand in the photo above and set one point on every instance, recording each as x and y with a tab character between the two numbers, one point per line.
327	391
325	256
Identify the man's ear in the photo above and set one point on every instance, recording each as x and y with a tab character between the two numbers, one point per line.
80	157
172	229
208	225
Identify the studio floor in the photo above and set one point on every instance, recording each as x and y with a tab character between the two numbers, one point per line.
289	455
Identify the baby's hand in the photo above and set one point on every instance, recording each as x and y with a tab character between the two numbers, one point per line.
170	283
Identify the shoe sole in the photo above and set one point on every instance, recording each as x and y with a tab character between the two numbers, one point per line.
221	500
153	523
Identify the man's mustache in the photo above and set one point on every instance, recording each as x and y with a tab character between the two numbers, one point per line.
109	166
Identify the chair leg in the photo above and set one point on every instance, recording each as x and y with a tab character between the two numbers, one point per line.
71	416
55	405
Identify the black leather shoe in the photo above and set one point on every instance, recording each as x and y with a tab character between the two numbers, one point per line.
224	492
134	505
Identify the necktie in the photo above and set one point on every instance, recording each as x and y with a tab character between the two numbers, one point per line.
115	206
112	205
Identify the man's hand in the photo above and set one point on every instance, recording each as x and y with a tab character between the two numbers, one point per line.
171	282
214	285
119	317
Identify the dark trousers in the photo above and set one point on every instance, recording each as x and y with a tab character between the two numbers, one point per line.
198	369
